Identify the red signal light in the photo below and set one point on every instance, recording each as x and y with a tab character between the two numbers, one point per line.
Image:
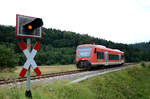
30	27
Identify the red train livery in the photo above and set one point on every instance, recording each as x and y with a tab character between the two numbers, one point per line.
89	55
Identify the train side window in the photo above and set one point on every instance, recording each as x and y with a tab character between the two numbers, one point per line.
110	57
116	57
100	55
113	57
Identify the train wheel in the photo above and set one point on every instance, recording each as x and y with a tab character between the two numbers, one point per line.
83	65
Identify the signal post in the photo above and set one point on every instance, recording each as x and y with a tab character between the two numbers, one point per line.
28	91
29	27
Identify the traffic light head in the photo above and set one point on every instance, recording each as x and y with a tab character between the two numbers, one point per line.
36	23
29	27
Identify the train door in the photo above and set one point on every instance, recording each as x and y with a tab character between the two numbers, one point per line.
106	58
119	57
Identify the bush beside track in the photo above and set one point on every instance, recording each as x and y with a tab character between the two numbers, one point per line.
130	83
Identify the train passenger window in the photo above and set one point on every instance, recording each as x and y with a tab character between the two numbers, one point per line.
116	57
113	57
110	57
100	55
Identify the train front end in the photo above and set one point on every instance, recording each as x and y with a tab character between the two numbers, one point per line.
83	56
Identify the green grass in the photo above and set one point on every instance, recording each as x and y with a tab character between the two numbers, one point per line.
130	83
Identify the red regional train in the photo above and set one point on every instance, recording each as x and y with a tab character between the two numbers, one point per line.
89	55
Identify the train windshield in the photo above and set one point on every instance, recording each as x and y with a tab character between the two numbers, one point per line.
84	51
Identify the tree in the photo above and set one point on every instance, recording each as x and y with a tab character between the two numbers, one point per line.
7	57
59	47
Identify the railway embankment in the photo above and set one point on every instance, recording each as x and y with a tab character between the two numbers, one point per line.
132	83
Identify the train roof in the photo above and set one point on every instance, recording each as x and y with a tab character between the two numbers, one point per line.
102	47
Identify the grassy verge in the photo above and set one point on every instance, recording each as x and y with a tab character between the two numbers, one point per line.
131	83
44	69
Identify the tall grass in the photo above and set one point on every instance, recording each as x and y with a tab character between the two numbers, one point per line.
14	73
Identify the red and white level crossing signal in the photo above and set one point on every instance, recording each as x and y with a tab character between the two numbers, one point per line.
30	59
29	27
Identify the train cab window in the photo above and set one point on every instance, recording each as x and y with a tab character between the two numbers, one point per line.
100	55
84	51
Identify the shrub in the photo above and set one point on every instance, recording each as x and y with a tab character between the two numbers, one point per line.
143	64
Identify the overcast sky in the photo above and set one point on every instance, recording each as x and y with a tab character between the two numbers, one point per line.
123	21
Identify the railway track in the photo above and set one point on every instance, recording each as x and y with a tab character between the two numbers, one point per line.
8	81
2	82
